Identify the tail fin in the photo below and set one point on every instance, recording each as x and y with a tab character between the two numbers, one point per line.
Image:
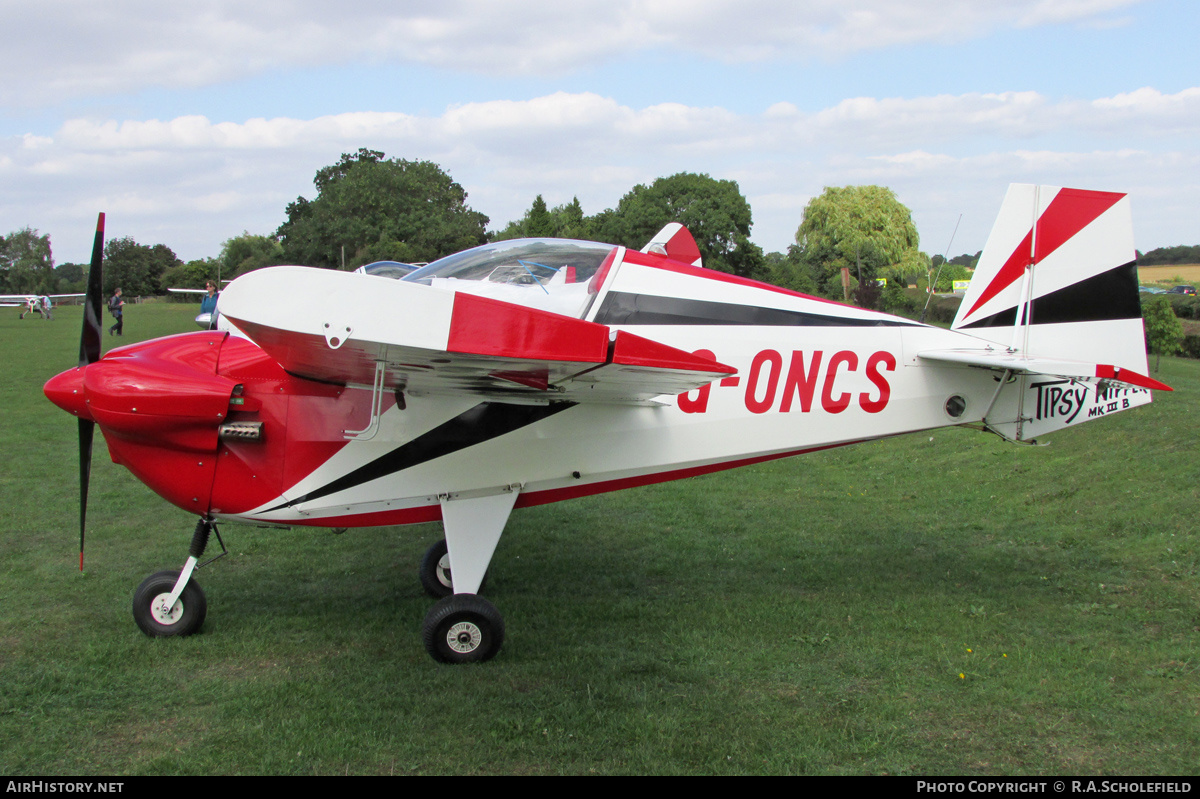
1058	278
676	242
1056	288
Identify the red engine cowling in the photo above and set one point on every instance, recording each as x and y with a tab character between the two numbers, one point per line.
208	420
160	405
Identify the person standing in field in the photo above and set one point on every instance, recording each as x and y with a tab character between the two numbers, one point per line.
115	304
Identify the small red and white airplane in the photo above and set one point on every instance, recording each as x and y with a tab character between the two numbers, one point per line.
41	304
532	371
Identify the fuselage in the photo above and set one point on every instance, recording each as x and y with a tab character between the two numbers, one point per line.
217	426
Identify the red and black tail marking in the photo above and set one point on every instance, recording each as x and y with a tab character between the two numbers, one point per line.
1108	295
1069	212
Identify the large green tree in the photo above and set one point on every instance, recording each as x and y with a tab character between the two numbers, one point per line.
247	252
137	269
371	208
561	222
715	212
70	278
192	275
26	264
863	228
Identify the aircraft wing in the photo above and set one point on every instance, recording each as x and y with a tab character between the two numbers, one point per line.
340	327
188	291
23	298
1019	363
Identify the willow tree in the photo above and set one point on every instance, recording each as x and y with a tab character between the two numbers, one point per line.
863	228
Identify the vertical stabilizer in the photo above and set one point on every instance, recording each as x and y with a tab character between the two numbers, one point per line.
1058	278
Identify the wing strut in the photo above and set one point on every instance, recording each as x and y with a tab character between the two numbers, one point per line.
473	526
368	432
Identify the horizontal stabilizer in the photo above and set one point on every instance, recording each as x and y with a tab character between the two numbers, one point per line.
1019	363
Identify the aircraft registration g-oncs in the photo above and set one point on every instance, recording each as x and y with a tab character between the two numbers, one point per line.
537	370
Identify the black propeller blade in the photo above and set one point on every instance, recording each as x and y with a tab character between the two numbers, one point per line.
89	352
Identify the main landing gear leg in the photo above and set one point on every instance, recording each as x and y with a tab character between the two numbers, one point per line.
464	627
172	603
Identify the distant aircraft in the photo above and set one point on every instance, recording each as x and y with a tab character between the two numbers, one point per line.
34	303
532	371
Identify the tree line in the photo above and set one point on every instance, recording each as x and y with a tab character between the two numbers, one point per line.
369	208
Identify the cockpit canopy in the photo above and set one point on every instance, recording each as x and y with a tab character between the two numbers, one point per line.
551	274
531	262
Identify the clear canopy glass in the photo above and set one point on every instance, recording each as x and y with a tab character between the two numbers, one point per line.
519	262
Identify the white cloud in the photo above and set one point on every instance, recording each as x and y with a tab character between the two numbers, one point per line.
1092	12
68	48
191	182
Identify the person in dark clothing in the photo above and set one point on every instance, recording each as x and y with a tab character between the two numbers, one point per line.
115	304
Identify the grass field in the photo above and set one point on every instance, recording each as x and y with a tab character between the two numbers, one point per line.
1170	274
933	604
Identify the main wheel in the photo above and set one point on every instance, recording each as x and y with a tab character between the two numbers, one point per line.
435	571
463	628
157	620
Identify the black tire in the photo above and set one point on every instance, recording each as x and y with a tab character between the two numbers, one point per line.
187	616
463	628
435	572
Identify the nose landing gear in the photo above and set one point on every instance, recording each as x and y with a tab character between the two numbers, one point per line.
171	603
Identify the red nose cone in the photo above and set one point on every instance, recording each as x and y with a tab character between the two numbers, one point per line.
66	391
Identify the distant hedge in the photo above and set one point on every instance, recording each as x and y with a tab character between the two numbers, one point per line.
1185	306
1171	255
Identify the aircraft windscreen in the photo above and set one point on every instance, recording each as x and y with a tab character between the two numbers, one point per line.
520	262
392	269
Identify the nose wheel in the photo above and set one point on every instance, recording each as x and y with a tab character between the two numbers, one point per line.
158	619
171	603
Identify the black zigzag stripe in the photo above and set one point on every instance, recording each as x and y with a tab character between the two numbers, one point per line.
1108	295
483	422
623	308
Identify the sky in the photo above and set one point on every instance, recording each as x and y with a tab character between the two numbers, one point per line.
190	123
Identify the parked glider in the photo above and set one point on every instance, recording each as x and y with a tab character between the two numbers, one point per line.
532	371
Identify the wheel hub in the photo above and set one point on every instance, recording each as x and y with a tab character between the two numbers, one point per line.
443	571
163	614
464	637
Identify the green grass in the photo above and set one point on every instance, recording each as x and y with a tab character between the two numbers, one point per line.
932	604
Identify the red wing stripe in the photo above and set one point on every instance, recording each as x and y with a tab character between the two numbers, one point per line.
1069	212
483	326
631	350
